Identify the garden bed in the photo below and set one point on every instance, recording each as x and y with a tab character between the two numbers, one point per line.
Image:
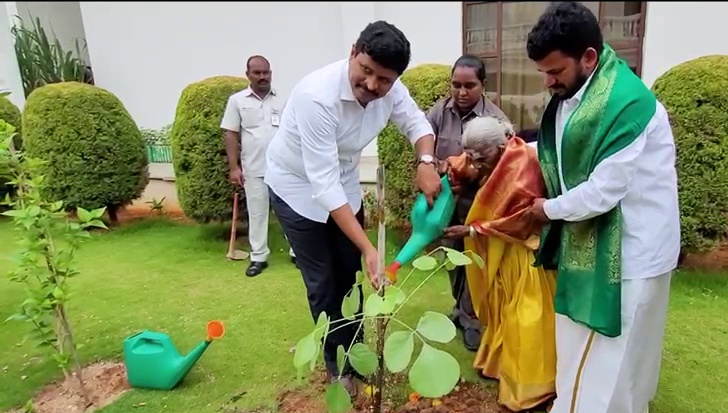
105	382
466	398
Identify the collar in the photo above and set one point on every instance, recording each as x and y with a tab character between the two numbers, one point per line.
248	91
346	92
478	109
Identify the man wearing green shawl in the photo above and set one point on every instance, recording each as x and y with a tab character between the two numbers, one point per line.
613	228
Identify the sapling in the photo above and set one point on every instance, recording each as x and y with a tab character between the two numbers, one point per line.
433	374
48	240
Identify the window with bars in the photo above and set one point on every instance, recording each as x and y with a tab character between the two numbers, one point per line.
496	31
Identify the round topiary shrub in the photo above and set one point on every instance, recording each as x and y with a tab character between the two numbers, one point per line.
10	114
427	84
198	149
695	94
93	150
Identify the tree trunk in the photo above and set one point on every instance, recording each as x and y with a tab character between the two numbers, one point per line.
113	213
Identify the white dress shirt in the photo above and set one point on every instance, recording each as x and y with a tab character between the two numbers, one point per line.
256	119
643	177
313	159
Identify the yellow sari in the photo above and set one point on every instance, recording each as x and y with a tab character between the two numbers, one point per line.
513	299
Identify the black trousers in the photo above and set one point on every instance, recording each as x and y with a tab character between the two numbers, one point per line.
328	261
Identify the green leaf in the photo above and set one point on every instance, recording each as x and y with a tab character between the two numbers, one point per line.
374	306
436	327
340	356
98	212
84	215
97	223
478	260
337	398
393	296
34	211
450	266
359	277
350	305
457	257
435	373
363	359
322	327
305	351
13	213
398	350
17	317
425	263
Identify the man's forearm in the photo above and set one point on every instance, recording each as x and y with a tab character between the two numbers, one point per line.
232	148
346	220
425	146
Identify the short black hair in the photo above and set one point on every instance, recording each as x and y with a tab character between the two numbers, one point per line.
472	62
386	45
569	27
256	56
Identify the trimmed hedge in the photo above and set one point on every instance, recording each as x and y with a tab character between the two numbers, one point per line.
695	94
93	149
427	83
198	149
10	114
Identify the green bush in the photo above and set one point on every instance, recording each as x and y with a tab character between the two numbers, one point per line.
93	150
695	94
10	114
427	84
198	149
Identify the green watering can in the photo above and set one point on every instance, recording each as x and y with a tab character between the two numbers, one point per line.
153	362
428	224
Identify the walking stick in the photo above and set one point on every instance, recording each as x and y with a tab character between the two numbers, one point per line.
235	254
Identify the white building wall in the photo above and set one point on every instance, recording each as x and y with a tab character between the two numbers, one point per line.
676	32
10	79
147	52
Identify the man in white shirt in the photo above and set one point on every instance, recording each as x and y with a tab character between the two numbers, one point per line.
251	118
313	168
608	158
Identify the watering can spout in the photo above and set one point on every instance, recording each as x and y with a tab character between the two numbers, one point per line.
188	361
428	225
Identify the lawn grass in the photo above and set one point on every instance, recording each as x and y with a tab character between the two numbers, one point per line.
171	277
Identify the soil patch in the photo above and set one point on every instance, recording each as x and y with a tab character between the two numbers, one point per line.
713	261
466	398
105	382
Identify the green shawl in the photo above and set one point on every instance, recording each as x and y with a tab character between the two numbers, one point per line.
614	110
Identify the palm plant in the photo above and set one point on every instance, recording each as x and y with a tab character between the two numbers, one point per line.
42	61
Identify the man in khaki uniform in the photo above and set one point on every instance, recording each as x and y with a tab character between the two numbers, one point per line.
251	119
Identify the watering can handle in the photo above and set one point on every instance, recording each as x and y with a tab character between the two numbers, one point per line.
152	340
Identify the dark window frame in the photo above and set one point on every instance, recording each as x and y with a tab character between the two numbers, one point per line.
498	52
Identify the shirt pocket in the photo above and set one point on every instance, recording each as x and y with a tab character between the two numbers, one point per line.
251	117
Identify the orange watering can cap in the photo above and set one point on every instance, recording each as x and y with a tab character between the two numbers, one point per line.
215	330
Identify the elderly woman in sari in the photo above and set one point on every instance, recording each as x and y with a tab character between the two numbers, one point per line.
513	299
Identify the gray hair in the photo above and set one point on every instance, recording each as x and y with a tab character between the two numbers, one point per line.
486	132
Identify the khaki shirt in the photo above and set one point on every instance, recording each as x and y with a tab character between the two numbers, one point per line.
257	121
448	125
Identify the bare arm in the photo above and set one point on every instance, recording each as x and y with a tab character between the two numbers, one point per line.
232	148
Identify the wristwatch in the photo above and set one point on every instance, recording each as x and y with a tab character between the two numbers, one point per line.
427	159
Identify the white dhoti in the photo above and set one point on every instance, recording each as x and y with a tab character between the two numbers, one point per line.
258	204
598	374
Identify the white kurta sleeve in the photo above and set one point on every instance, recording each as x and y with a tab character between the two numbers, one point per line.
317	126
606	186
407	116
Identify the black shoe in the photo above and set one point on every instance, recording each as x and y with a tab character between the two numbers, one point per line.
471	339
255	268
